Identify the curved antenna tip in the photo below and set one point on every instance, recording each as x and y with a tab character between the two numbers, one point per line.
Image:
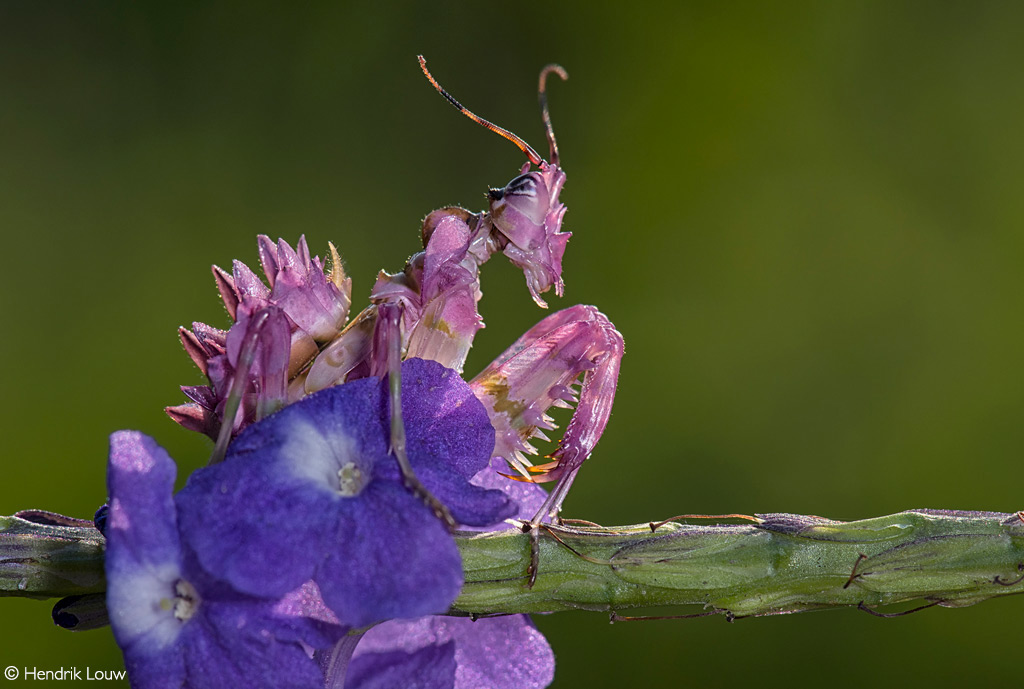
542	96
553	67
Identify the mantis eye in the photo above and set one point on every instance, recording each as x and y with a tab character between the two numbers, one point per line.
526	194
523	185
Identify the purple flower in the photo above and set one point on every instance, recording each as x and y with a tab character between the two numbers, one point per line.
177	625
439	652
312	492
453	653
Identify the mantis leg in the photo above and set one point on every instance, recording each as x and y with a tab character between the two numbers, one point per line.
389	319
537	373
261	368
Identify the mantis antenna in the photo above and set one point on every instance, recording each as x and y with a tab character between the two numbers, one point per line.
542	96
504	133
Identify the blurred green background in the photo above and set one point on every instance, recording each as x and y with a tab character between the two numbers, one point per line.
805	218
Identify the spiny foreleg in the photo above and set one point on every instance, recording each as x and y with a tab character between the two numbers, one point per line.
538	372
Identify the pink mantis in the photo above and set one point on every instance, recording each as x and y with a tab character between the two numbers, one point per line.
293	336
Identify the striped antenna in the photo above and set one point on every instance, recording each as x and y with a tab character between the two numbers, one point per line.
504	133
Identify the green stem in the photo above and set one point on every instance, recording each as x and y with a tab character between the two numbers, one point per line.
780	563
48	555
777	563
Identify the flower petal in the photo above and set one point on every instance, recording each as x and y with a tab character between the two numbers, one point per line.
445	423
140	479
234	645
431	667
250	525
153	671
490	653
392	558
143	557
470	505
